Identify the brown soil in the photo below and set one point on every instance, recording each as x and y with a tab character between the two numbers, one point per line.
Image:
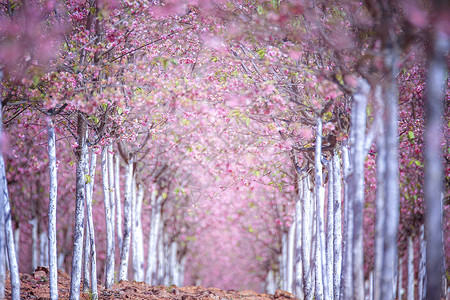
36	286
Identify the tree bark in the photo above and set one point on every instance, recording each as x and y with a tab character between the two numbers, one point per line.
356	184
380	198
124	256
52	203
34	243
298	286
307	231
79	209
153	240
337	222
109	265
346	291
330	232
86	254
139	233
422	285
435	94
320	203
390	95
9	234
112	200
118	203
90	223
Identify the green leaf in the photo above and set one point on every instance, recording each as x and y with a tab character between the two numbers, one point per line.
411	135
250	229
164	195
261	53
104	106
260	10
88	179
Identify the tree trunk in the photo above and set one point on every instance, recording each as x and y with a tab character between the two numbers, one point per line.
43	248
380	198
410	263
109	265
52	254
390	95
161	245
124	256
330	233
400	278
86	254
118	203
435	94
79	209
34	243
307	231
346	291
356	184
2	236
139	233
283	260
112	200
422	285
298	286
337	230
90	223
153	240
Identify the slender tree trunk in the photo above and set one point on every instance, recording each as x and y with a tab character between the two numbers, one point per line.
139	233
90	223
79	210
347	261
337	230
290	261
134	252
306	239
320	204
435	94
34	243
43	248
52	254
8	230
118	203
410	263
380	198
298	286
422	285
161	246
356	184
400	278
112	199
390	95
124	256
330	233
153	240
283	260
17	238
2	236
109	271
86	254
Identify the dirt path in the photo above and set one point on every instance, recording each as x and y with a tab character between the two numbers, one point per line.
36	286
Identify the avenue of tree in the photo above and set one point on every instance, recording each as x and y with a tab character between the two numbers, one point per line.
300	145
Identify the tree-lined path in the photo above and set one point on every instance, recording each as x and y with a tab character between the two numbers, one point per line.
243	145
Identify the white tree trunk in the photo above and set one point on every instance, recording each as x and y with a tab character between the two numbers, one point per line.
139	233
380	198
134	252
298	286
422	284
118	203
330	233
86	255
161	246
346	275
90	224
435	95
320	203
410	263
283	261
337	230
124	256
270	283
356	184
43	248
112	200
153	239
52	203
9	234
17	239
399	278
79	211
2	237
34	243
307	232
109	265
